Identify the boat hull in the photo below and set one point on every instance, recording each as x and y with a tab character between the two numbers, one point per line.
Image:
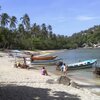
45	62
82	65
43	57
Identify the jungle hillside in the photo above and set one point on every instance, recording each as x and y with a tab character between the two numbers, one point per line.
22	34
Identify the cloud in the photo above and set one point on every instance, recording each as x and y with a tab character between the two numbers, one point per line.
85	18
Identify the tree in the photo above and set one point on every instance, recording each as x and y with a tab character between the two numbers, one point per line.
50	28
13	22
44	31
0	16
26	21
50	31
21	28
35	29
4	19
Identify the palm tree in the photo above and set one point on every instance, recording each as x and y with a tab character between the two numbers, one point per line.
26	21
44	31
0	16
35	29
21	28
4	19
13	22
50	31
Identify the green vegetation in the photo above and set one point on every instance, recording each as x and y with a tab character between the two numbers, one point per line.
14	35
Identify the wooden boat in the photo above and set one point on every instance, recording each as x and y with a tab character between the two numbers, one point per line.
43	58
83	64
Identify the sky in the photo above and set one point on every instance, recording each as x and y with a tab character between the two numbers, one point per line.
65	16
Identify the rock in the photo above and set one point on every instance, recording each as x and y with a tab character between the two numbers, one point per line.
50	81
97	70
73	84
63	80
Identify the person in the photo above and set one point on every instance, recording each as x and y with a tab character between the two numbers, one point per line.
32	57
18	64
28	62
44	71
25	63
59	64
65	68
62	67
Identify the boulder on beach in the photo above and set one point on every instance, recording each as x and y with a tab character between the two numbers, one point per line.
63	80
97	70
74	84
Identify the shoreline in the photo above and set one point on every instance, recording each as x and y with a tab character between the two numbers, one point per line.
23	83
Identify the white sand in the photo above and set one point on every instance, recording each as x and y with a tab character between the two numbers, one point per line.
29	84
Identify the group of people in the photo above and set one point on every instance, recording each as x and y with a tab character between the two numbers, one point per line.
62	67
25	64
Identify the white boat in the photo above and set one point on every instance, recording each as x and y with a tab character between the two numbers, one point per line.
82	64
45	62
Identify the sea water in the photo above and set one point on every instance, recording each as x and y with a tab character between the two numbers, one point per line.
76	55
83	75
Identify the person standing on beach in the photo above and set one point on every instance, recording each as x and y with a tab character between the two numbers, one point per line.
65	68
59	66
62	67
32	57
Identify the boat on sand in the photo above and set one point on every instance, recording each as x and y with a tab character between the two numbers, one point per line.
43	58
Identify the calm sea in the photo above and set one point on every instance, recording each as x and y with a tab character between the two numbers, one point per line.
72	56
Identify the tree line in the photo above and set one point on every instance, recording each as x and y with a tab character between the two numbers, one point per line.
23	35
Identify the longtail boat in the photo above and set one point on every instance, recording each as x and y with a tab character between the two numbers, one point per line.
43	58
82	64
46	62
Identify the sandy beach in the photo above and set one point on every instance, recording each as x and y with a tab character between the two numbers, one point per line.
29	84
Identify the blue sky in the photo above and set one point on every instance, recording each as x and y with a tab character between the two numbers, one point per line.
65	16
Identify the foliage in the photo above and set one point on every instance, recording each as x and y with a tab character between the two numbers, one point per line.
42	37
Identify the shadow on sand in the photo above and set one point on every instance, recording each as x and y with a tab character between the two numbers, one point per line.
14	92
89	86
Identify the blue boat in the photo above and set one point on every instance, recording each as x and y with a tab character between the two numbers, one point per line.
82	64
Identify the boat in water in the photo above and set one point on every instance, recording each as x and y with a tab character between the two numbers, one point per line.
46	62
82	64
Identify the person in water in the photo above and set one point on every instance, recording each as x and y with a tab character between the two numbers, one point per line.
44	71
